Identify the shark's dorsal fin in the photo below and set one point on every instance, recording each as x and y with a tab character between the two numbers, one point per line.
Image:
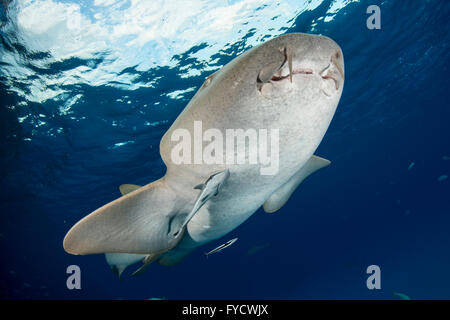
127	188
282	194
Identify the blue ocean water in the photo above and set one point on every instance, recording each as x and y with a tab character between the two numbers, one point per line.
89	88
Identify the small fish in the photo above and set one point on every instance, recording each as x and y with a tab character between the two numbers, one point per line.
222	246
442	178
208	189
402	296
445	158
411	165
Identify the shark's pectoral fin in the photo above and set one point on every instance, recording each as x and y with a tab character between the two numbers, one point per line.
118	262
127	188
146	263
282	194
139	222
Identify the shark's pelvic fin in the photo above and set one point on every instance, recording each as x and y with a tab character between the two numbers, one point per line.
127	188
118	262
282	194
139	222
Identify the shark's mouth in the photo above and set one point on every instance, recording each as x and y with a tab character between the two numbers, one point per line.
291	74
286	71
324	74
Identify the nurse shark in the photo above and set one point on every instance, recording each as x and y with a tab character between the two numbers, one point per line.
291	84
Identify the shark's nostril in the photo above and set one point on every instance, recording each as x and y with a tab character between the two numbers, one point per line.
335	61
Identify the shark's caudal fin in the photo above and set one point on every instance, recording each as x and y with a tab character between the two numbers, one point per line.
142	221
282	194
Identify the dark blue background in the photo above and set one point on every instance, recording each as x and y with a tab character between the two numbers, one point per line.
366	208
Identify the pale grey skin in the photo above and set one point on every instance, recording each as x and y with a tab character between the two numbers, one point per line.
300	107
